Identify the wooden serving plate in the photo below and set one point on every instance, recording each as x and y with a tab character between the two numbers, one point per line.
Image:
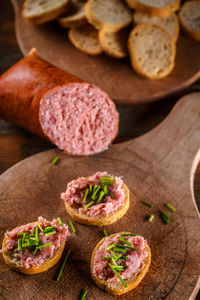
159	168
116	77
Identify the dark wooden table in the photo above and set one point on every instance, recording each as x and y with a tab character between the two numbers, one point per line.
17	144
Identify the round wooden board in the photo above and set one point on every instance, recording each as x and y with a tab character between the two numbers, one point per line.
116	77
156	168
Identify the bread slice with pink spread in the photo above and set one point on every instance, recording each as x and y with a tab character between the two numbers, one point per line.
100	199
35	247
119	262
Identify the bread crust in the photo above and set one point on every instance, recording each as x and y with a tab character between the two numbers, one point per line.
45	16
33	269
131	282
75	17
98	24
135	63
157	11
100	220
194	34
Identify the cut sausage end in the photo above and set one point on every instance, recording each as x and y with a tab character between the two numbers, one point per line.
79	118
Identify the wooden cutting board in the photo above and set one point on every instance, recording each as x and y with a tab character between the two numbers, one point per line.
158	168
116	77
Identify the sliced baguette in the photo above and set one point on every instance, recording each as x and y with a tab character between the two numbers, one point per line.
118	288
100	220
111	15
114	43
85	38
41	11
190	18
170	23
33	269
161	8
152	51
76	15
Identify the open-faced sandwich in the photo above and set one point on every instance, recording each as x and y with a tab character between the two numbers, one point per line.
119	262
100	199
35	247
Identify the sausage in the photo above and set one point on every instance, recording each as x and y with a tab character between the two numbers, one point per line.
74	115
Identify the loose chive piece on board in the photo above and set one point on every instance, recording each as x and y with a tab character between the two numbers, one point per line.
84	294
165	217
147	204
117	274
72	226
172	208
54	161
150	219
63	265
105	232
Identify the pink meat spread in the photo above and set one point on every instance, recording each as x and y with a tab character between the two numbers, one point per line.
76	190
132	266
25	257
79	118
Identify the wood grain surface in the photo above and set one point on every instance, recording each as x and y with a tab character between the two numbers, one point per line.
116	77
158	168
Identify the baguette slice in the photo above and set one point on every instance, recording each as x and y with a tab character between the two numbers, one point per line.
118	288
161	8
190	19
41	11
76	15
114	43
170	23
152	51
111	15
85	38
49	262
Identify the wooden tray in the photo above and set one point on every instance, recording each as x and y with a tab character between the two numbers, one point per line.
116	77
158	168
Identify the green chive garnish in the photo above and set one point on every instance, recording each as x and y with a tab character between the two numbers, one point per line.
171	207
20	233
119	249
88	205
63	265
59	221
106	178
90	187
106	257
129	234
147	204
49	228
36	234
94	196
118	257
113	260
117	274
165	217
125	241
54	161
110	247
100	196
113	254
151	218
72	226
117	267
85	196
19	244
40	228
105	233
121	246
44	245
84	294
105	189
33	231
50	233
124	257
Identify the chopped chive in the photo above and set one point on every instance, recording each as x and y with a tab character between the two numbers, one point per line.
88	205
19	244
63	265
117	274
50	233
85	196
106	257
151	218
40	228
110	247
119	250
129	234
117	267
94	196
107	182
20	233
36	234
90	187
165	217
124	257
147	204
171	207
59	221
84	294
100	196
125	241
35	251
54	161
72	226
105	233
106	178
95	187
113	260
165	214
121	246
33	231
110	194
49	228
105	189
113	254
118	257
44	245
